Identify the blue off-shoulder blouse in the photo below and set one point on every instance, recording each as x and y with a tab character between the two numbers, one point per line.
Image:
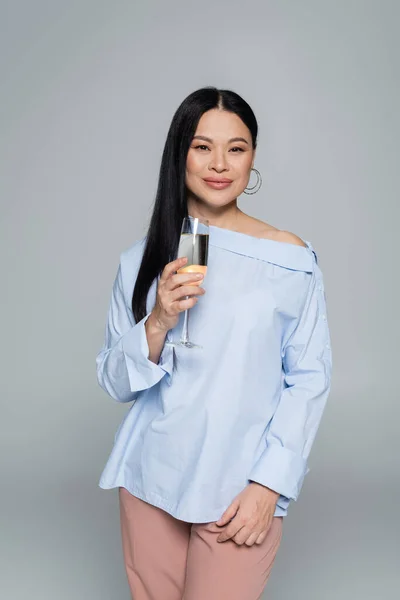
245	407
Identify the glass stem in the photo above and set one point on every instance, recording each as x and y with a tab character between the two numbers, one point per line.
185	330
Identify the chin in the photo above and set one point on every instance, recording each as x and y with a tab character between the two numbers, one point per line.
215	199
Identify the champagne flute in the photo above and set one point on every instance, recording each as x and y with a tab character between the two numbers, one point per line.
193	244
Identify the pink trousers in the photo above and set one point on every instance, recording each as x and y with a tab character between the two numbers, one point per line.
169	559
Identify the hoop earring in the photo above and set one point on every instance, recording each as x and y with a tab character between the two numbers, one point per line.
255	187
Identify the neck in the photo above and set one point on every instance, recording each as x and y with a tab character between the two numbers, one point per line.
226	217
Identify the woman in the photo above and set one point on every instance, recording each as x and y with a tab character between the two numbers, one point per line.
216	442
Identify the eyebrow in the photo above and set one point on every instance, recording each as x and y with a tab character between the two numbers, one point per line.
207	139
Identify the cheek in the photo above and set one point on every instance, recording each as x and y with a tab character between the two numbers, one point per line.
194	164
244	167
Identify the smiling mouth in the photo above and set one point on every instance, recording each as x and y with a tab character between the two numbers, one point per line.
215	180
218	184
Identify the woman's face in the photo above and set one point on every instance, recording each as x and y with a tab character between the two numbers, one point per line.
220	158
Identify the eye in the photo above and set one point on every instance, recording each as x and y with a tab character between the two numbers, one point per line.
237	148
201	146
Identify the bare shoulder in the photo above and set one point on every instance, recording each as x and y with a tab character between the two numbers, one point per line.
260	229
289	238
257	228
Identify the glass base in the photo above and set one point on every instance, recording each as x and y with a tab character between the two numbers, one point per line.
183	344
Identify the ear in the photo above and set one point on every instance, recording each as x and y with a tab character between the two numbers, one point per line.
254	158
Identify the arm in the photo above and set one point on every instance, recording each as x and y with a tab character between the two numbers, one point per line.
155	338
307	364
123	364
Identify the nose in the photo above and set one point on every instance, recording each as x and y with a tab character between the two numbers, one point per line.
218	161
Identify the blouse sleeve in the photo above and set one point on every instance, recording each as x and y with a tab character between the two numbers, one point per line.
307	365
123	365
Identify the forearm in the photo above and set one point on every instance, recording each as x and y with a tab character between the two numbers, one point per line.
155	338
134	356
130	364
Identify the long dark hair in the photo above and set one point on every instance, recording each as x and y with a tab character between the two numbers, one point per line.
170	205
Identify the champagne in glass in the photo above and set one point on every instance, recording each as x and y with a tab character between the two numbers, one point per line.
193	244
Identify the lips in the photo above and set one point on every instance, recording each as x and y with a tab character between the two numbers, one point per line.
218	184
217	180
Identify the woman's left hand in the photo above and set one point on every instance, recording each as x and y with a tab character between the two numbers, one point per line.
249	516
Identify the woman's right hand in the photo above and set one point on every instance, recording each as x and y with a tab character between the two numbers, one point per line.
171	288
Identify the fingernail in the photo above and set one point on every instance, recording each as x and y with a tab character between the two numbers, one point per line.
199	276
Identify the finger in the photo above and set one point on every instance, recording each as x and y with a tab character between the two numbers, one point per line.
252	538
230	531
229	513
261	537
179	279
172	267
264	533
211	526
186	290
242	535
186	304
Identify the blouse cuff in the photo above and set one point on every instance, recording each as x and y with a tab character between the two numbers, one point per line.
281	470
142	372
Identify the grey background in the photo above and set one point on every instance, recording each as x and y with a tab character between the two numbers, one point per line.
88	90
